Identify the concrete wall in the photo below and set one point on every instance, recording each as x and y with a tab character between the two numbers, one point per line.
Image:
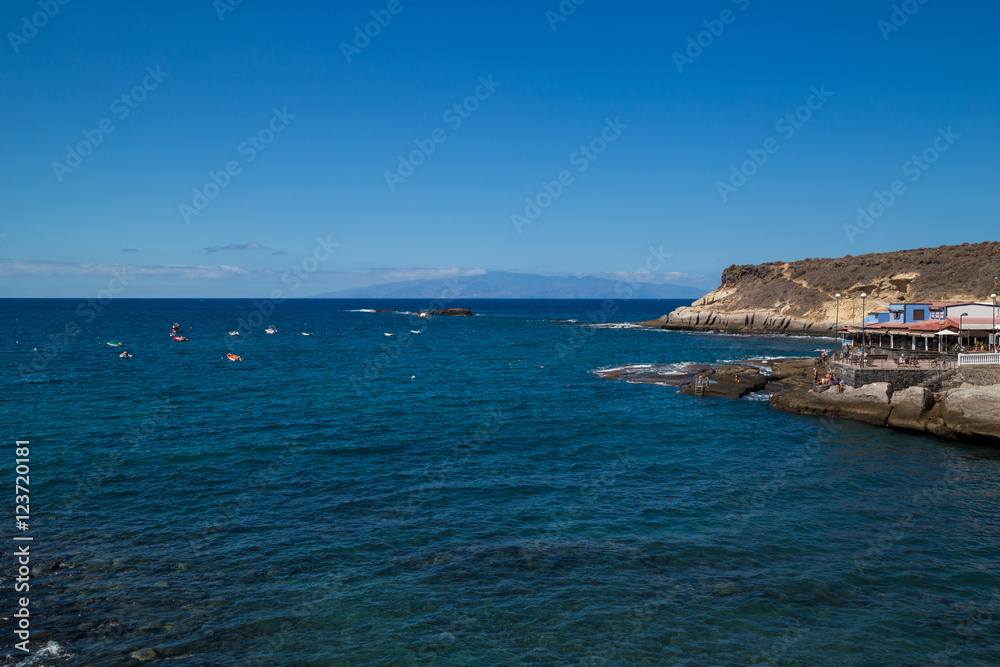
898	378
903	378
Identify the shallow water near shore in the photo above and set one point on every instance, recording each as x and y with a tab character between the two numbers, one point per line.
473	494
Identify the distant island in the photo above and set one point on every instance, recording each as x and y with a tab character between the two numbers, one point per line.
800	297
508	285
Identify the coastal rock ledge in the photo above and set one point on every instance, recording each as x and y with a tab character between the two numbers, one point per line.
967	412
742	321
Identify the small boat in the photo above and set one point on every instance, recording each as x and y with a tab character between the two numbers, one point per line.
234	357
125	355
176	329
115	343
181	339
306	334
415	332
234	333
270	330
388	334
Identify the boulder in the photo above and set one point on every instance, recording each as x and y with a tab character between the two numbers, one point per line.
970	413
910	408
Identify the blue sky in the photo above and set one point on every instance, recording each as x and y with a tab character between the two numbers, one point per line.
204	83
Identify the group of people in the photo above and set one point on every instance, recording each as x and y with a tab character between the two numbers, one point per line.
827	379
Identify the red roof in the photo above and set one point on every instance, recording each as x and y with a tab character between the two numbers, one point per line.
970	320
923	325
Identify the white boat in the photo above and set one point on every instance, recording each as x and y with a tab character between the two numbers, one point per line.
270	330
234	333
125	355
415	332
388	334
305	334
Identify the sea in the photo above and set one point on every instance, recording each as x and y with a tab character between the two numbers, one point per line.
475	493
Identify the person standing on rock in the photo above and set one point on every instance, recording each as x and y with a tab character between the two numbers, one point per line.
815	376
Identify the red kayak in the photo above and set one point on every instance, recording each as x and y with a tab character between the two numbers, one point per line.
180	338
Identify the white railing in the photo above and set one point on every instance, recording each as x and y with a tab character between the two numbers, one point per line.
978	359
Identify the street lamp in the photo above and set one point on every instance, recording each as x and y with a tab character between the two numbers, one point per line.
994	297
864	317
960	318
837	326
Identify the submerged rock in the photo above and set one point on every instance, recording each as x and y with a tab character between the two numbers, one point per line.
454	312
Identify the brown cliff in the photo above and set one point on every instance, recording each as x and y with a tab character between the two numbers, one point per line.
799	297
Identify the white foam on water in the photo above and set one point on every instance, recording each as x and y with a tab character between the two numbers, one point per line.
41	656
651	370
613	325
361	310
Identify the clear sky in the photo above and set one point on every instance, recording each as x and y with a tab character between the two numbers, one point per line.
311	117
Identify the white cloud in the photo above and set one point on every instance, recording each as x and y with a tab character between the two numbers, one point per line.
651	278
13	267
235	246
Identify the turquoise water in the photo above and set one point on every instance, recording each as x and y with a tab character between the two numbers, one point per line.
471	495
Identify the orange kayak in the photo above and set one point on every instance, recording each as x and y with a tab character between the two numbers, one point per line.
233	357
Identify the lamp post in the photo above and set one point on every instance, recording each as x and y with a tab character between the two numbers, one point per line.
837	326
994	297
864	317
960	318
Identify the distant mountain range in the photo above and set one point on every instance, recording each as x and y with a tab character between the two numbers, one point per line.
506	285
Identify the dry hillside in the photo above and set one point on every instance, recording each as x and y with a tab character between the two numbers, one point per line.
805	289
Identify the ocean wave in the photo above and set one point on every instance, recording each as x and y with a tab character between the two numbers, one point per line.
668	374
362	310
43	655
614	325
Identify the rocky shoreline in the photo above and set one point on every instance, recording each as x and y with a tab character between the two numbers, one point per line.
959	409
745	321
960	405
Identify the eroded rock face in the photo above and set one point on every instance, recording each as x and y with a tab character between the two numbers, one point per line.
699	319
829	403
965	413
910	407
972	411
